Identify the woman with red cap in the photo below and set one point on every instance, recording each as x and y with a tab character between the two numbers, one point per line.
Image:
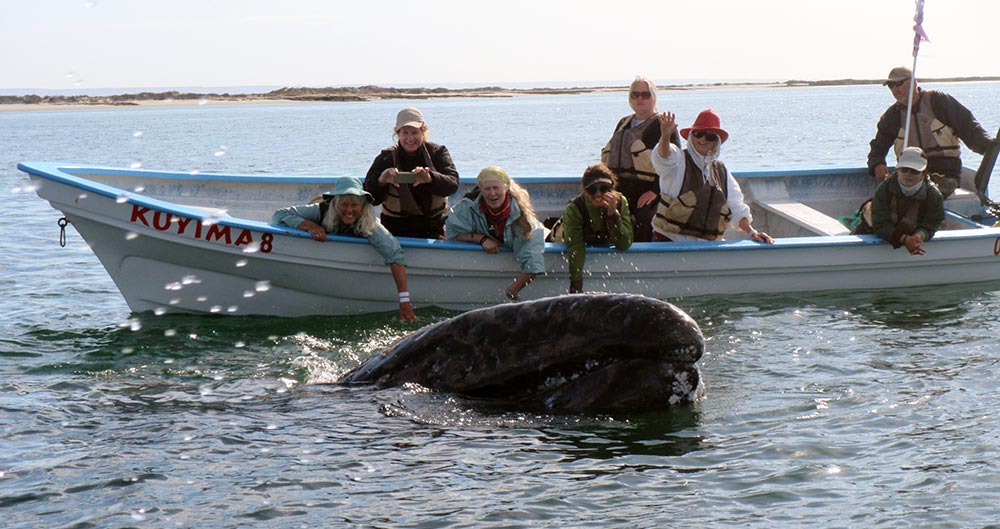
699	198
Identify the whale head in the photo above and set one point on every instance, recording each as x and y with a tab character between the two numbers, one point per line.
576	353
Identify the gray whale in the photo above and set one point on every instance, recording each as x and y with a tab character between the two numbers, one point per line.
576	353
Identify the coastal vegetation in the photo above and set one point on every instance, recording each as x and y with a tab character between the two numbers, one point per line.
371	92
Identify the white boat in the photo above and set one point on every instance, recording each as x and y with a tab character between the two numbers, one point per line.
175	242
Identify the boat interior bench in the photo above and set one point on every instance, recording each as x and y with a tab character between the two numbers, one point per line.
809	218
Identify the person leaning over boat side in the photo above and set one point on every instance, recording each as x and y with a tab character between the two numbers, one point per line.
698	196
348	210
938	122
500	214
416	208
627	155
908	208
599	216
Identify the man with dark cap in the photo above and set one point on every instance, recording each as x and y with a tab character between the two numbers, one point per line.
938	121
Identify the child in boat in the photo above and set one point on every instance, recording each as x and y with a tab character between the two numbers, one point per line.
599	216
348	210
907	208
500	214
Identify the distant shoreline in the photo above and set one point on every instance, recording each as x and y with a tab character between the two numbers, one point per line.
374	93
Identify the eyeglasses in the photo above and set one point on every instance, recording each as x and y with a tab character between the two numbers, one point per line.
907	170
895	84
710	136
599	188
636	95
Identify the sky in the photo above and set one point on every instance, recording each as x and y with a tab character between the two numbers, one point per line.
91	44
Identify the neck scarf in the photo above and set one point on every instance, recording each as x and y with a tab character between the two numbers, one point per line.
912	190
703	161
496	219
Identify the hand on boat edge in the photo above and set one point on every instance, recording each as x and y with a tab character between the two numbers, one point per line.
759	236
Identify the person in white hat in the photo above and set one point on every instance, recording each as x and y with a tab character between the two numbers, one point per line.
348	211
937	124
412	180
907	208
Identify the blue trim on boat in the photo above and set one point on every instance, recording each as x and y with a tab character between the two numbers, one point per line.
62	172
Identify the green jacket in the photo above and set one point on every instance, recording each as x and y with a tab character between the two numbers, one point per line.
618	235
895	215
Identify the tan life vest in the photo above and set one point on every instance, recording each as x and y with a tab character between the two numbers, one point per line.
700	210
627	152
401	202
927	132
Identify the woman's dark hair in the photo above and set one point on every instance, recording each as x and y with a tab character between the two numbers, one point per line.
596	172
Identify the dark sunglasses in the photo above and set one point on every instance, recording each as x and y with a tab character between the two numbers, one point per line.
637	95
710	136
599	188
895	84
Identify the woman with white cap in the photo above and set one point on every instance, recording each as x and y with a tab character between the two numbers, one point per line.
699	198
348	211
500	214
907	208
412	180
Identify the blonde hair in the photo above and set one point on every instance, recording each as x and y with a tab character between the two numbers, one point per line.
527	221
652	89
366	222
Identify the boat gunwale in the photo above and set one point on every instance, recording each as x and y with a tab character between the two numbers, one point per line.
60	172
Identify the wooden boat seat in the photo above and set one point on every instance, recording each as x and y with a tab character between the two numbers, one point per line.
809	218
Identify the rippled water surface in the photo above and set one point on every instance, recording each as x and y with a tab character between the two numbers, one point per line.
861	409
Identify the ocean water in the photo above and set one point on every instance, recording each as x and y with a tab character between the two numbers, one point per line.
834	410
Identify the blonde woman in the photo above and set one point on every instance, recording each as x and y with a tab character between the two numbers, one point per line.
348	210
501	215
627	155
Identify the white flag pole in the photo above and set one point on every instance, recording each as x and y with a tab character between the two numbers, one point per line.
918	35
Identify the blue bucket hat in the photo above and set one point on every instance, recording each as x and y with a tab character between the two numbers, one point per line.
349	185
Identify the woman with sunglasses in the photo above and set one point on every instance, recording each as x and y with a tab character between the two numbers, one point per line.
599	216
499	213
907	209
699	198
627	155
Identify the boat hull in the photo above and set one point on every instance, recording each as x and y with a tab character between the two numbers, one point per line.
168	257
